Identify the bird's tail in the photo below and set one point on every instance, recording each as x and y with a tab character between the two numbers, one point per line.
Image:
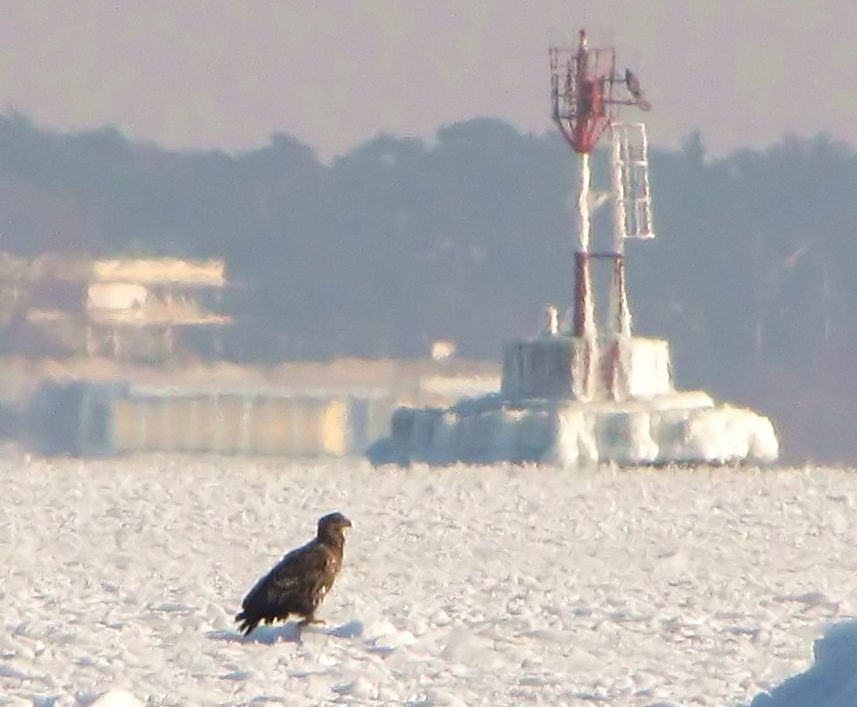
246	622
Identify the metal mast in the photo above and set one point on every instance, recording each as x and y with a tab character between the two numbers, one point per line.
586	92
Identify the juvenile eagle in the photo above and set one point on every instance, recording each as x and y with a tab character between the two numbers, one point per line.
299	582
633	85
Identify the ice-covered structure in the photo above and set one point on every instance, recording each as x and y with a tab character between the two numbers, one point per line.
591	393
540	415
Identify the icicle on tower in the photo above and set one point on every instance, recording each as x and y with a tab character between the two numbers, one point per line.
592	393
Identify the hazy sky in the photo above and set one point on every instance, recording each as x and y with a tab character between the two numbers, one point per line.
229	73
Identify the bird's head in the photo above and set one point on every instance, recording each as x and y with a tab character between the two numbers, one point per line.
332	526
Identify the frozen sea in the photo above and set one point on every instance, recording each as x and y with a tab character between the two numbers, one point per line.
461	586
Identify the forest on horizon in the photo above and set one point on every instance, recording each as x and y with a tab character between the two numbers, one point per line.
468	237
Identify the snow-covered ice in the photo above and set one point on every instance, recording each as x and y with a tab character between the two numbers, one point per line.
461	586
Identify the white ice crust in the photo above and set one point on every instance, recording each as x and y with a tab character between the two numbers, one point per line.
497	585
687	427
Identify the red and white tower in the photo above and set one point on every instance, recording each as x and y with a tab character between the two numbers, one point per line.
582	396
586	94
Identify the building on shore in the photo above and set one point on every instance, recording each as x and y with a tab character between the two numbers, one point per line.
145	309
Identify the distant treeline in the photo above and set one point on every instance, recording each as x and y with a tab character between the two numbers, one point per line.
402	242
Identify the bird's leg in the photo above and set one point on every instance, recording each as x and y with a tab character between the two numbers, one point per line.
310	619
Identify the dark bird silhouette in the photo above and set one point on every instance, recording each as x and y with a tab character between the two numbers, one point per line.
633	85
299	582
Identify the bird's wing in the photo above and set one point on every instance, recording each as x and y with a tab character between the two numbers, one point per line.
291	574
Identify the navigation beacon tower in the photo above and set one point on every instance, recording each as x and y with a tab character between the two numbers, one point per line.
590	394
586	95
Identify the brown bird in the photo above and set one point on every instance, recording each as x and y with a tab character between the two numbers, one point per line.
299	582
633	85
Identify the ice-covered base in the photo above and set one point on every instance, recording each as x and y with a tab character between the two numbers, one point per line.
682	428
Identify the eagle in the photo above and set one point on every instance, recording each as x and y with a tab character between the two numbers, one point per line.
633	85
299	582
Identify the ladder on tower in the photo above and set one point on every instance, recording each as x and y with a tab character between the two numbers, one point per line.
631	191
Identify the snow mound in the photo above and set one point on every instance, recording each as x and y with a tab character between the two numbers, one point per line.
831	681
117	698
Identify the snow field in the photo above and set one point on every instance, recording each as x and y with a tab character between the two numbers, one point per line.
461	585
